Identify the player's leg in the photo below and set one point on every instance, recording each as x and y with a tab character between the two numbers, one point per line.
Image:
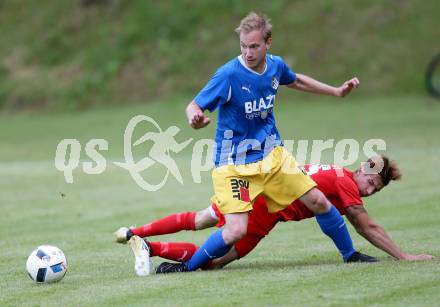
330	221
144	250
239	250
235	227
316	201
287	182
217	245
235	192
206	218
183	251
169	224
176	251
221	241
260	223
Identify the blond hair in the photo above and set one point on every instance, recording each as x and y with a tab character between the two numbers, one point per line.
253	22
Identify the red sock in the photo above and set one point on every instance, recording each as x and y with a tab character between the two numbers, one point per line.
170	224
177	251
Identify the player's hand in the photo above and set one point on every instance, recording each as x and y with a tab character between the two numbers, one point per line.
199	121
418	257
347	87
195	116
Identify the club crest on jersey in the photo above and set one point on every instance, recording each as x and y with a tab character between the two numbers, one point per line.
240	189
275	83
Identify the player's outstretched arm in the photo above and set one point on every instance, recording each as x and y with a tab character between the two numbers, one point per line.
307	84
376	235
195	116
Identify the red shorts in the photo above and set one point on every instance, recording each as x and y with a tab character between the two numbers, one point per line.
260	223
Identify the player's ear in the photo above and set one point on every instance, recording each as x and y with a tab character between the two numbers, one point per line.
268	43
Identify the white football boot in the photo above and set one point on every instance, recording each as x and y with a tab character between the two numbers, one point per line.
141	250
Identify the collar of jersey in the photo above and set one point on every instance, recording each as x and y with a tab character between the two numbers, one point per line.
240	59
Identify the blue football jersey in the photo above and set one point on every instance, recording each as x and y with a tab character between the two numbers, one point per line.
246	130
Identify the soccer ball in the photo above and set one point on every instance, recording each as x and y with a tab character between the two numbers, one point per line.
46	264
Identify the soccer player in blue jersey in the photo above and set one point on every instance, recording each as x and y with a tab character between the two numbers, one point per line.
249	156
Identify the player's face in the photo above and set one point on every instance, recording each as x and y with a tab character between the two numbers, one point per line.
253	49
368	184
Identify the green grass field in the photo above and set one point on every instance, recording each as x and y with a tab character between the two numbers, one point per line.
295	265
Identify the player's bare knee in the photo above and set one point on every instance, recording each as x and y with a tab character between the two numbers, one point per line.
234	233
316	201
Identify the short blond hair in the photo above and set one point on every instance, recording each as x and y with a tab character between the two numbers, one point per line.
253	22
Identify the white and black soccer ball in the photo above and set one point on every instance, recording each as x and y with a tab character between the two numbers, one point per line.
46	264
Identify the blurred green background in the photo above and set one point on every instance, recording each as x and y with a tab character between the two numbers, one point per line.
72	55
